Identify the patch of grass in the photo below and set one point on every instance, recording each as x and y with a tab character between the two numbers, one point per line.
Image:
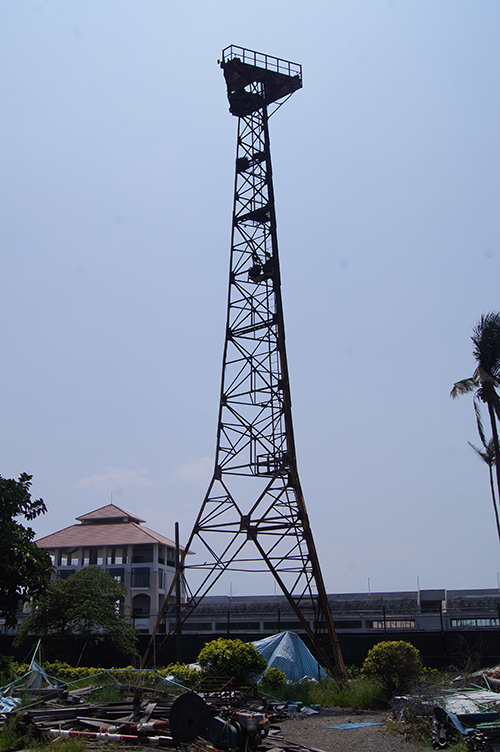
107	693
8	737
68	744
419	730
360	693
17	733
459	746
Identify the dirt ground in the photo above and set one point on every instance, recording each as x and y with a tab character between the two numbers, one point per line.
313	731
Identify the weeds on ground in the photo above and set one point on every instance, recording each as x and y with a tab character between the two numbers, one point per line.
418	730
8	736
67	744
105	693
360	693
363	692
17	733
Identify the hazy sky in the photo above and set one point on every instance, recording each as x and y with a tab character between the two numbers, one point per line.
117	163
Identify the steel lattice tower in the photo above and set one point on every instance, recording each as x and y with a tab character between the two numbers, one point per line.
253	517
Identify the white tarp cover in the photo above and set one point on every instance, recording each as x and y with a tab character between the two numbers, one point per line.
287	652
471	701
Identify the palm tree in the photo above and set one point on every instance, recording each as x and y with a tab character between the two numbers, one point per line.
485	379
487	454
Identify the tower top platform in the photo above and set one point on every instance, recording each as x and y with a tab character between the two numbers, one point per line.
244	69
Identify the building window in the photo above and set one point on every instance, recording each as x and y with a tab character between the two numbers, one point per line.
142	554
161	554
170	556
117	574
140	577
201	626
116	556
161	579
68	558
141	605
484	622
391	624
63	574
93	557
349	624
237	626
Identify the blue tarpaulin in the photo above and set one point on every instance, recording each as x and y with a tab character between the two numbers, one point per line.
287	652
346	726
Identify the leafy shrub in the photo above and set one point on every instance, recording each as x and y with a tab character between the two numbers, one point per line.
431	675
67	673
7	669
224	657
353	672
182	673
273	678
394	664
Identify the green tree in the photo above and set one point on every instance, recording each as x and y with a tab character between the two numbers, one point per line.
394	664
25	569
485	380
224	657
87	603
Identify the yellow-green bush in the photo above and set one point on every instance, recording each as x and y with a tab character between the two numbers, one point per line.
182	673
273	678
236	658
394	664
67	673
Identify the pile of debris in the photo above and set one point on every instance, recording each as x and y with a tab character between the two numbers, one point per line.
218	714
467	707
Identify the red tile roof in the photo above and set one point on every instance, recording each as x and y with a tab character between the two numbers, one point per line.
106	526
109	512
121	534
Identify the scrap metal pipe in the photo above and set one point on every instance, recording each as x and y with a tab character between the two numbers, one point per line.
136	728
159	741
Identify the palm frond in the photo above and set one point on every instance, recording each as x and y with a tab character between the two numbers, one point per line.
495	401
464	387
490	451
487	455
486	339
479	422
484	377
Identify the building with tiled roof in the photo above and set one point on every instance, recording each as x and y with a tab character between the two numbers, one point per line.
117	540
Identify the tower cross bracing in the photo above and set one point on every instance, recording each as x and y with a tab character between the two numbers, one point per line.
253	517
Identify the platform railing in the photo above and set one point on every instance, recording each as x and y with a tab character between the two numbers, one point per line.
260	60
